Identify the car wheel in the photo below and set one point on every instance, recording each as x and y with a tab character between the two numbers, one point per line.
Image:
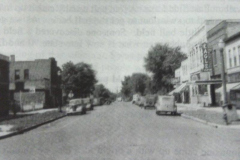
158	113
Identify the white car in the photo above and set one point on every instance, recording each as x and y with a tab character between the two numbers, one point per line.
75	106
165	104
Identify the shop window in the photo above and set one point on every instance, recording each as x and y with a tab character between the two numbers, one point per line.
202	89
17	74
232	95
26	74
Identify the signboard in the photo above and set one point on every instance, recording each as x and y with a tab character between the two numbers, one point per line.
206	58
32	89
195	77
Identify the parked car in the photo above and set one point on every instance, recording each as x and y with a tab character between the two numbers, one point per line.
87	102
135	99
76	106
166	104
150	101
142	101
96	102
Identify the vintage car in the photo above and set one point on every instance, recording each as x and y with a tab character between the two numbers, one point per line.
150	101
96	102
142	101
87	102
136	99
76	106
165	104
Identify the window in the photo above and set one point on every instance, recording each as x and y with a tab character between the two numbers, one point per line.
239	54
17	74
230	59
202	89
215	56
235	57
26	74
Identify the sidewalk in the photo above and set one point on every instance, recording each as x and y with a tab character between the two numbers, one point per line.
25	121
211	115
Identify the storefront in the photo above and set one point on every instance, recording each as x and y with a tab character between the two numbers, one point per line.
202	90
235	95
181	93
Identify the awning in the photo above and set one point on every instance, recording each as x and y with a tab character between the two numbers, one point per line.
178	89
230	86
237	87
206	82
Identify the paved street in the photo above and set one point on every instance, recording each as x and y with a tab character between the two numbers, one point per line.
122	131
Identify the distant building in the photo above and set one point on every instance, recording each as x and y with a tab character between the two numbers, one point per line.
181	91
35	84
4	83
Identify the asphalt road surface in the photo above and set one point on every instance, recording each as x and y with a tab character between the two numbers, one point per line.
122	131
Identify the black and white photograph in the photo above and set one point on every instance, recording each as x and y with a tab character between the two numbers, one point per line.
120	80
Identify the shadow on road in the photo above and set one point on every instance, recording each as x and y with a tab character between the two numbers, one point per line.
79	114
165	114
10	117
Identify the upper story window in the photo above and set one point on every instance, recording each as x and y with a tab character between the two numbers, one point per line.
214	56
17	74
230	58
26	74
234	57
239	54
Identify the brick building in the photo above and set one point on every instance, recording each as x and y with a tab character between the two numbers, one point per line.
35	84
233	67
4	83
222	31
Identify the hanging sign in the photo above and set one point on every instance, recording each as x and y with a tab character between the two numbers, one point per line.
206	58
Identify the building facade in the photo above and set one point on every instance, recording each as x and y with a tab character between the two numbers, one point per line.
232	50
199	64
231	60
4	83
181	91
35	84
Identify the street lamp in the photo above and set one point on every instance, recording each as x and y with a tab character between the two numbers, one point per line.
221	46
59	73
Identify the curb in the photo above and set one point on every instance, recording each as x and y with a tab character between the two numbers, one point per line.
203	121
29	128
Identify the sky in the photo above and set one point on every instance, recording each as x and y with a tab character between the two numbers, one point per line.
113	36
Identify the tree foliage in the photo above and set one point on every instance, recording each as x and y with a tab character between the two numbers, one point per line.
101	92
136	83
126	87
80	78
162	60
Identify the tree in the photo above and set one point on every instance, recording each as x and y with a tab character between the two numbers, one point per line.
162	60
126	87
80	78
100	91
138	81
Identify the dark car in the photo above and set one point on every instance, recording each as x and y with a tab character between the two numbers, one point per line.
150	101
